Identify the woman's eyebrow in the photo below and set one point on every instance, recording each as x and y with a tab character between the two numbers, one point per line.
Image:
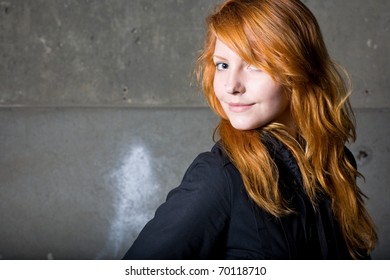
219	57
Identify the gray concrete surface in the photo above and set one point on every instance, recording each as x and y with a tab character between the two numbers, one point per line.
98	120
80	183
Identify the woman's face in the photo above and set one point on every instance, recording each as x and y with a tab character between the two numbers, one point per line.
249	96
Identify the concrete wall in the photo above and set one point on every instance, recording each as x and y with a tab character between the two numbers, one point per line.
98	120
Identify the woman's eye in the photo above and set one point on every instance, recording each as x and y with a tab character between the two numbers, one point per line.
221	66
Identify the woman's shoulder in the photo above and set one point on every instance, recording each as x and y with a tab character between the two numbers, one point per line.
216	157
210	172
214	165
193	216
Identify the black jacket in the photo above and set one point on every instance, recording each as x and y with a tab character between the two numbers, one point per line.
210	216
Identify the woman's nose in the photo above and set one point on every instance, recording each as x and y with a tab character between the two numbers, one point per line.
234	84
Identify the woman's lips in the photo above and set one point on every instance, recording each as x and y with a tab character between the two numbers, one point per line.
239	107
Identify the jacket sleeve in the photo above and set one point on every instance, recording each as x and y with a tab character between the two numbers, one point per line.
190	224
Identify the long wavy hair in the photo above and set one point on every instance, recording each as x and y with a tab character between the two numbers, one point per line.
283	38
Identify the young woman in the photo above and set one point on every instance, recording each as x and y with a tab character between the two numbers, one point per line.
279	183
